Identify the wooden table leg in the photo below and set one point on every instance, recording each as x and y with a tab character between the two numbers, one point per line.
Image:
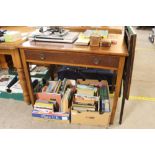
117	89
17	63
27	76
3	63
52	71
23	83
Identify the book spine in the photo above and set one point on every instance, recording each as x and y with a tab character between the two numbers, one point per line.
50	116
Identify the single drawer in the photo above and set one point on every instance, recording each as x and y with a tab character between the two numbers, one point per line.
72	58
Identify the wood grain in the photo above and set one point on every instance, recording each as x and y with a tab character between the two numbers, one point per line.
118	49
13	45
111	29
3	63
12	50
117	88
78	59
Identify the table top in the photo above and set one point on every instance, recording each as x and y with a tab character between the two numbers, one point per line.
111	29
13	45
118	49
115	49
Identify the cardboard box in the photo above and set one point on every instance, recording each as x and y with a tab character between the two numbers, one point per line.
64	111
54	115
57	96
90	118
37	119
16	96
47	96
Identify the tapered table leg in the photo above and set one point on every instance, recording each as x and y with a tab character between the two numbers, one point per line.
21	75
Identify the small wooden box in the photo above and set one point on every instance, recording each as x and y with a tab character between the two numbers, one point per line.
95	40
105	43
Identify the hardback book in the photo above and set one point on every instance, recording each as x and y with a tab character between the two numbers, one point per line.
56	115
40	104
66	100
83	109
83	105
82	41
102	33
43	110
85	92
86	99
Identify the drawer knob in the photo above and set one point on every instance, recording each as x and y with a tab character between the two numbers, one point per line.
42	56
96	61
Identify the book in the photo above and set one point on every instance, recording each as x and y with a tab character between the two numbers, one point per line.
85	99
102	33
51	86
83	105
103	92
56	115
63	86
57	87
66	100
85	92
43	110
104	105
38	70
40	104
84	109
82	40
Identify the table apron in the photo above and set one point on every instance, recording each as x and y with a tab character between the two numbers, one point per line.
75	59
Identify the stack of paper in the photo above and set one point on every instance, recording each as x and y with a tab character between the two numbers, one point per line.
48	109
82	41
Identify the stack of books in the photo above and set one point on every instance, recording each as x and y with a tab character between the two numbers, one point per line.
84	38
49	110
54	100
85	98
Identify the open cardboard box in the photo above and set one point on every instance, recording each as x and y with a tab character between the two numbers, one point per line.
60	100
91	118
57	96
